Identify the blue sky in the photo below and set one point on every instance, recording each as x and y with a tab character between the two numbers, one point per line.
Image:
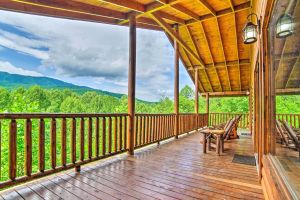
88	54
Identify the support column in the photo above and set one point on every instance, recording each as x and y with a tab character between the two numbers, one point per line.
250	111
207	108
176	85
131	83
207	103
196	92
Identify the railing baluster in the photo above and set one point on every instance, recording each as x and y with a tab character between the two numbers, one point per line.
28	146
144	129
97	139
42	145
140	130
136	131
73	140
125	132
53	143
103	136
64	142
90	138
115	134
109	135
120	133
82	139
13	149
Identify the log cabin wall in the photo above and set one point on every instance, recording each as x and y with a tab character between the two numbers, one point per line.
272	171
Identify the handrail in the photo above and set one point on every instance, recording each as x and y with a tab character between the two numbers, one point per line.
219	118
39	144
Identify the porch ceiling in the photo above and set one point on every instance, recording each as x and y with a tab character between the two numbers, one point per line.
210	32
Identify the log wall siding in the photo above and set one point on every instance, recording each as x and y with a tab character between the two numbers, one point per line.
35	145
220	118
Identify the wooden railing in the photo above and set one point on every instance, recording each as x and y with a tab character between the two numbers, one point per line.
190	122
35	145
219	118
292	119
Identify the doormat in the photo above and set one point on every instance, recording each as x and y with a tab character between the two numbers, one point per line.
246	160
245	134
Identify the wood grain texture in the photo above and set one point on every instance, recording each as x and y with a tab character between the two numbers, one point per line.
167	172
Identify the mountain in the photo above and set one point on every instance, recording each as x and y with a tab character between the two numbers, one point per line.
11	81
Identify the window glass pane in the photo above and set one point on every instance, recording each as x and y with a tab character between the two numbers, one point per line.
284	43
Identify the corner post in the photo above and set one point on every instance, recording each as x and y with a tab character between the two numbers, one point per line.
197	98
207	107
176	85
196	92
131	83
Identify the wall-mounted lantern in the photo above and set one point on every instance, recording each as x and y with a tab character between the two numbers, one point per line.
251	30
284	26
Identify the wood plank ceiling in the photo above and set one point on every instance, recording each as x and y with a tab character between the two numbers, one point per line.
210	32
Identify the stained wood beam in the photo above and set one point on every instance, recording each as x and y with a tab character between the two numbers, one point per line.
228	94
223	53
222	64
288	91
291	72
154	7
76	7
221	13
206	76
208	6
236	44
175	36
128	4
57	13
188	29
184	62
210	53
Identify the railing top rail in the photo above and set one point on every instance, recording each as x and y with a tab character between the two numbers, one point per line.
57	115
153	114
245	113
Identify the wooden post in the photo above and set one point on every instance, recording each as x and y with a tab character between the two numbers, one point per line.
196	92
207	103
176	85
131	82
250	111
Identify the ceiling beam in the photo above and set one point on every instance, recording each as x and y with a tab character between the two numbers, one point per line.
184	62
226	94
236	43
291	72
77	7
288	91
128	4
220	13
175	36
49	12
222	64
154	7
208	6
206	76
188	29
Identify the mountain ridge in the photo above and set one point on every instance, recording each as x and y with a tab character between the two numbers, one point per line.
11	81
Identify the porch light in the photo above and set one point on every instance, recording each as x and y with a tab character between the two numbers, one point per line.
250	30
284	26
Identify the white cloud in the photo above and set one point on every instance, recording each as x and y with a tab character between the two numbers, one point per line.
9	68
96	53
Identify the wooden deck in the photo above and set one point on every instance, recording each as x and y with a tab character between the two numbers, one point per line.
175	170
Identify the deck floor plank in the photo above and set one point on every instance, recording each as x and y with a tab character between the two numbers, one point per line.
171	171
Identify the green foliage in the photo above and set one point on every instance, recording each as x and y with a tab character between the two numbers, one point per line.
38	99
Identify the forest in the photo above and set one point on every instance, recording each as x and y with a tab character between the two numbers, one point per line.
45	100
38	99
